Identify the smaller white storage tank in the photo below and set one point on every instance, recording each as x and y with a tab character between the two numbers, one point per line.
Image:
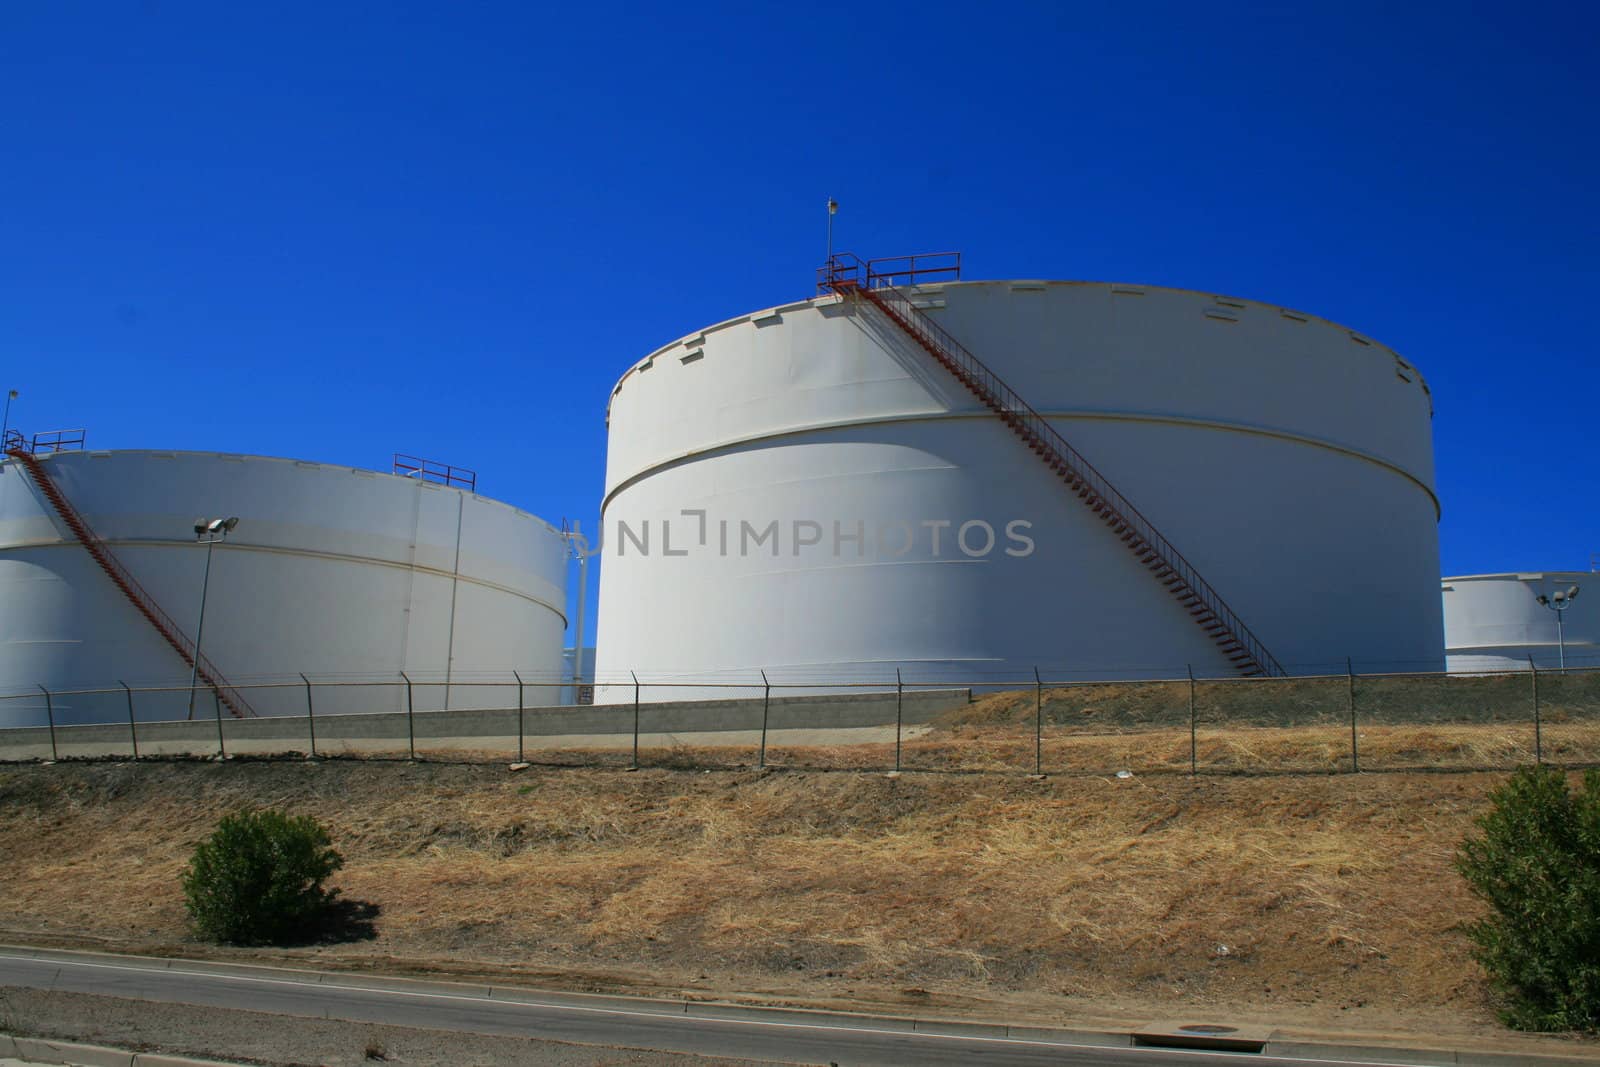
1494	622
341	574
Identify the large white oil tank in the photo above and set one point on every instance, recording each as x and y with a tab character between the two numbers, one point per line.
805	491
340	574
1494	622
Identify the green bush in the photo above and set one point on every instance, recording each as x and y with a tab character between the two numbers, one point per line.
258	878
1537	866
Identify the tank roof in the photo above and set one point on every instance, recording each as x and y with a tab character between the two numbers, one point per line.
1520	576
241	457
691	339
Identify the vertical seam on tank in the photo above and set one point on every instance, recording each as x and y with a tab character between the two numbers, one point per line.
455	583
411	581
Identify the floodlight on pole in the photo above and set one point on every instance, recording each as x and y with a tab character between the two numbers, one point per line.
1560	602
208	532
5	423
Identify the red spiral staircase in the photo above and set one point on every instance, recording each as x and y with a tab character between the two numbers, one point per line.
884	283
19	449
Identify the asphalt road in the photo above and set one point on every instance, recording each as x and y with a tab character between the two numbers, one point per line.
669	1026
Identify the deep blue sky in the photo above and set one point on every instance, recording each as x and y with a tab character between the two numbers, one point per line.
334	231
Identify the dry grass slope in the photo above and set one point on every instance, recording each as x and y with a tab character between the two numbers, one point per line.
1328	896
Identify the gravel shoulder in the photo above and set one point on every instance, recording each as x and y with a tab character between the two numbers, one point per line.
282	1041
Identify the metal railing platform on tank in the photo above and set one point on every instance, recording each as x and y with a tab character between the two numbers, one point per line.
848	270
431	470
46	441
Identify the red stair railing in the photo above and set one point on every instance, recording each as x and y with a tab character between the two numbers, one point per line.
847	274
136	594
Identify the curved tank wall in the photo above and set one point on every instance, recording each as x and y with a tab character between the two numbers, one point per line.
1288	458
1494	622
342	574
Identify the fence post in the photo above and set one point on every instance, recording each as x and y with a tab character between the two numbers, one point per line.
1538	726
216	704
1039	725
635	720
1350	681
899	705
766	707
1194	743
50	717
411	725
518	676
133	730
311	715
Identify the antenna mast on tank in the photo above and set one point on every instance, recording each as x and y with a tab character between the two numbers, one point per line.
833	209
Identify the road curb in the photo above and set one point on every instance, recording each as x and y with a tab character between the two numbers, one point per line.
152	1059
74	1054
39	1050
1417	1056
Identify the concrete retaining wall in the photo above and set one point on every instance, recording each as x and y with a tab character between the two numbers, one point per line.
498	728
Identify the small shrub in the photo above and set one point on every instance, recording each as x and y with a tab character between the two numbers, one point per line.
1537	866
258	878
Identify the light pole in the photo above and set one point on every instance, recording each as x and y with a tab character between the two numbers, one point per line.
208	532
5	423
578	546
1559	602
833	209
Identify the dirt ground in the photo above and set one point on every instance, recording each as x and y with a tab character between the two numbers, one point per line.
1324	903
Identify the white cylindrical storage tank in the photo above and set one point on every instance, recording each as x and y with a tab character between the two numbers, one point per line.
805	491
340	574
1494	622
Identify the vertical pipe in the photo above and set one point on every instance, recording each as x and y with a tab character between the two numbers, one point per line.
311	715
766	708
411	726
517	675
455	584
1538	726
50	717
581	546
200	627
133	730
1194	742
1038	724
635	720
899	704
216	704
1350	679
411	577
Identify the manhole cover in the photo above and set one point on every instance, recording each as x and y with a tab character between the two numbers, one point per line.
1214	1036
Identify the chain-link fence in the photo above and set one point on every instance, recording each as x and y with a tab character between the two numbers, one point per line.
1036	725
